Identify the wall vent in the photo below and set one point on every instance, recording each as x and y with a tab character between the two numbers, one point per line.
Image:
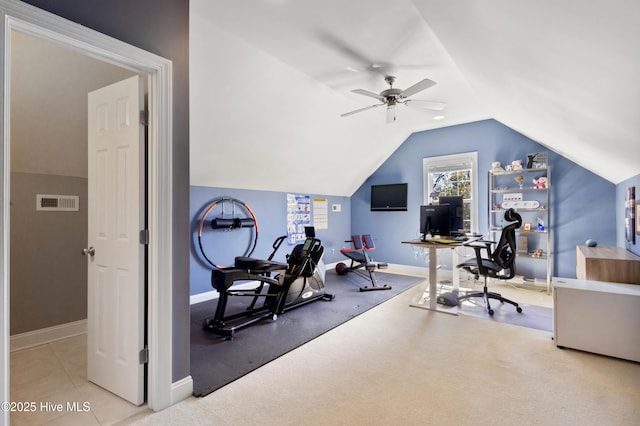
64	203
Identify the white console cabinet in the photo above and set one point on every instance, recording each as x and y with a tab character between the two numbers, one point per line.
596	316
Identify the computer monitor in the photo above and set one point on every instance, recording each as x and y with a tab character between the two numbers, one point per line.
310	231
434	220
456	212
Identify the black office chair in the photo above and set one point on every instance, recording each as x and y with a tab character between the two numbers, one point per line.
500	262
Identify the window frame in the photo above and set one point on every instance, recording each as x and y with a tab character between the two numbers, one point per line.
453	162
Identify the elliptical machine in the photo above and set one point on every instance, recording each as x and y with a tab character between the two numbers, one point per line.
281	286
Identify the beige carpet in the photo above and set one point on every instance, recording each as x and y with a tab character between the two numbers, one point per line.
396	365
533	316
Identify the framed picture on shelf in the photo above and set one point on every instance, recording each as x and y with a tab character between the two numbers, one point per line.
638	217
630	215
523	244
526	227
537	160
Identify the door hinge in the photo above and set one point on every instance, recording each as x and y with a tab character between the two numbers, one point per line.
144	118
144	236
144	355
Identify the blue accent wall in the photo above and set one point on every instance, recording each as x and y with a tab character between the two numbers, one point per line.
583	204
270	208
621	193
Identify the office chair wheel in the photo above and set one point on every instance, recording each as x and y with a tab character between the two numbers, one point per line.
519	309
490	312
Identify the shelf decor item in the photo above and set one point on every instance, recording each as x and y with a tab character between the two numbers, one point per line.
537	160
540	183
523	244
496	167
519	180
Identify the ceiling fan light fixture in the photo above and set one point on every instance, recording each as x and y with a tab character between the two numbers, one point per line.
391	113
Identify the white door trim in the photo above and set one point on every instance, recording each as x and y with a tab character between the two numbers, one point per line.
18	16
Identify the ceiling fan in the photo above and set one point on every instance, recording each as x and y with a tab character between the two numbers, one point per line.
391	97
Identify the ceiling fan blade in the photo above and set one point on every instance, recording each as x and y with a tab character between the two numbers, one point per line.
391	113
425	104
418	87
360	110
362	62
368	93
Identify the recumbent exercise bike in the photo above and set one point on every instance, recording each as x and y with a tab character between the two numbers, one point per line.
283	286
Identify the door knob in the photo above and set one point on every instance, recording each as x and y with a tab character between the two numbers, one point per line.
90	251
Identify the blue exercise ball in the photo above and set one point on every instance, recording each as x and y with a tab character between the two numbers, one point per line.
591	243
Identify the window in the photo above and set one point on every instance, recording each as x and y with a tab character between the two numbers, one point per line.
453	175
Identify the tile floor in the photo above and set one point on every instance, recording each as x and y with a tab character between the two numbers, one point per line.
56	373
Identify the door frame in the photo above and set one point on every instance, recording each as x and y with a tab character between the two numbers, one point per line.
18	16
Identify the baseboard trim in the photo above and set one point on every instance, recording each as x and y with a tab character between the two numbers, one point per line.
211	295
397	268
393	267
203	297
47	335
181	390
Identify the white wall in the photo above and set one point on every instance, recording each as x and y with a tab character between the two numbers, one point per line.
276	128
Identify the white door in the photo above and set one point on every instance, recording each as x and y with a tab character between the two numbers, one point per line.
115	256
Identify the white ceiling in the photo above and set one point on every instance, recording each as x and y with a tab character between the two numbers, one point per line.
270	78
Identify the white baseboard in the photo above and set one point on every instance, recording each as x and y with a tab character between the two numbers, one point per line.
393	267
213	294
397	268
47	335
182	389
203	297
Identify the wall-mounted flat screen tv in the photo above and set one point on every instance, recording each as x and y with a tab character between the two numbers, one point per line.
389	198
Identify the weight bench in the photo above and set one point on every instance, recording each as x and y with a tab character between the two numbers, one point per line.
358	254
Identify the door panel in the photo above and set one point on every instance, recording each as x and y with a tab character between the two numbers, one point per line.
116	270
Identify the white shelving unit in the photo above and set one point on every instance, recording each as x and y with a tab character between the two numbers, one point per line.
534	261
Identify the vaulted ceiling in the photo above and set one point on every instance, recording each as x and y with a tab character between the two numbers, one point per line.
270	78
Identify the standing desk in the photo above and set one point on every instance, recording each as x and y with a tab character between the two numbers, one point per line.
433	247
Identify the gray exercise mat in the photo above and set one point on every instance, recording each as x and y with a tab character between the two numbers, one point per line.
216	361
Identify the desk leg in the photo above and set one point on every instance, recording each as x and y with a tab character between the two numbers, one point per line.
433	285
455	261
